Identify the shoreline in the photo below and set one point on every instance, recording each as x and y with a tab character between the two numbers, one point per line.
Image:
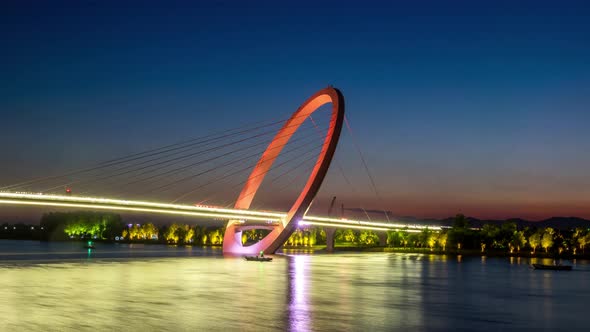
321	249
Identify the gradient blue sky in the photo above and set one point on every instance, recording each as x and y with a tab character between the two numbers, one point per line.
478	107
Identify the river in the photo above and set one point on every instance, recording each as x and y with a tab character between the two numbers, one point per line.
118	287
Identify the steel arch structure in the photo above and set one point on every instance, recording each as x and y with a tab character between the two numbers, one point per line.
232	241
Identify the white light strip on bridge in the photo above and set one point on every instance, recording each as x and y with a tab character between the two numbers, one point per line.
128	208
314	223
110	201
370	223
201	211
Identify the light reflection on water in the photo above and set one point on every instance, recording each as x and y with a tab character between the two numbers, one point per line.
299	315
340	292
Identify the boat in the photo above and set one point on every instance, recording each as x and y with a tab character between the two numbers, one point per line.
89	245
258	258
552	267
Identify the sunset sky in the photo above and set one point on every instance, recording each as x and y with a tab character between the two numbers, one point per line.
479	107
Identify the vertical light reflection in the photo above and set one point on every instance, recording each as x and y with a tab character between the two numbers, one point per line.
299	313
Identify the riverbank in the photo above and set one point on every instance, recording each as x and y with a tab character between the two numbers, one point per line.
320	249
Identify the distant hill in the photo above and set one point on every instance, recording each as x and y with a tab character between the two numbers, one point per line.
554	222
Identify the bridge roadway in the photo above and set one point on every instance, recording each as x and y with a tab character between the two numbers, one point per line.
248	217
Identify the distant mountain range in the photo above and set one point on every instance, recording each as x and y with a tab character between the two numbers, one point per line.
554	222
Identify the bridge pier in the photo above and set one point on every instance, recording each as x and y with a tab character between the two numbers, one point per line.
382	238
330	233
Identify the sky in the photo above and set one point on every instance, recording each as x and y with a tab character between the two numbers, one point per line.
474	107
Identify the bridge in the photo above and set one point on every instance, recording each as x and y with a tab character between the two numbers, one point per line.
241	217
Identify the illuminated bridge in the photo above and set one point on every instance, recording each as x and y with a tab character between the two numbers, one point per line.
245	217
166	164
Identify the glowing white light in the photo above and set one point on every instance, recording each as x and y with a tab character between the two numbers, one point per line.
236	215
135	209
357	226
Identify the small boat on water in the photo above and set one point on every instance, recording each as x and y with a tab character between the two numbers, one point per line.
552	267
89	245
258	258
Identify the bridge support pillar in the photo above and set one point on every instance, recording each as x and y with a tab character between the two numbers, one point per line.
382	238
330	233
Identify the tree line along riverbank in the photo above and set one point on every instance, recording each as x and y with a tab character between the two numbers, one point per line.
506	239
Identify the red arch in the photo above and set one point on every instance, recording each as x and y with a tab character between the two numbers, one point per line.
232	242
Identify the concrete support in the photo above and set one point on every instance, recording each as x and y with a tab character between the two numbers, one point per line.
382	238
330	232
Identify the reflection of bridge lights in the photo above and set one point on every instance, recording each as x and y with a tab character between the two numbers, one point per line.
298	307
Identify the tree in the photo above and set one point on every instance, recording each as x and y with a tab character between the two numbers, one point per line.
134	232
431	241
149	231
321	236
215	237
425	238
488	233
442	240
170	234
367	237
547	239
392	238
505	235
583	241
518	240
535	240
189	236
313	236
460	232
349	235
413	239
403	238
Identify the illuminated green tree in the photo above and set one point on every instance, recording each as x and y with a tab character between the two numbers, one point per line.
442	240
392	238
321	236
424	237
172	233
413	240
215	237
547	239
148	231
135	232
403	238
488	234
349	235
518	240
431	241
583	240
368	237
535	240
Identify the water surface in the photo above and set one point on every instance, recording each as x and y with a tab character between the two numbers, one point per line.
61	287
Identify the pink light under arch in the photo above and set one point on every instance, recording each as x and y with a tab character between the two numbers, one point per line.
232	241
